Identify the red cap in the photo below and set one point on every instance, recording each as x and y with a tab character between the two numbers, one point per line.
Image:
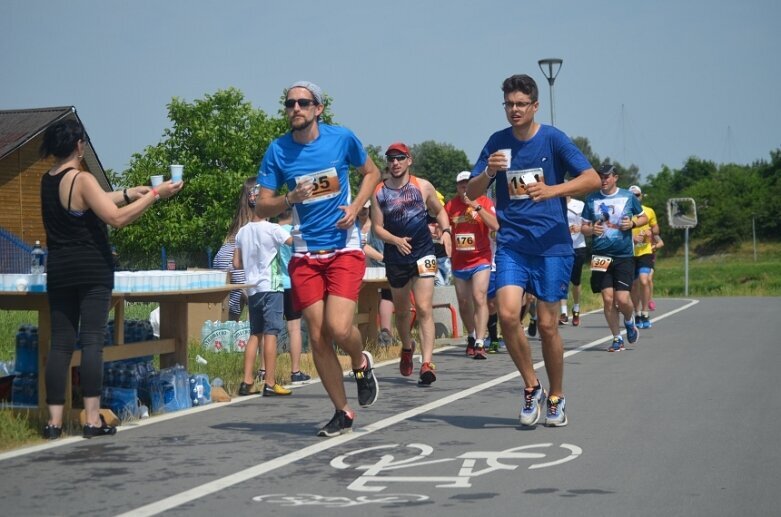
398	147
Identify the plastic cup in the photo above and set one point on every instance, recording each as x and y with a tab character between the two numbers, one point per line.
508	156
156	180
176	173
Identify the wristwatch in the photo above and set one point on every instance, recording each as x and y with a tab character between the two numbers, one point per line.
478	208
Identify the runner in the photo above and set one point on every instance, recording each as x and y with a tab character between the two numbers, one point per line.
574	210
646	240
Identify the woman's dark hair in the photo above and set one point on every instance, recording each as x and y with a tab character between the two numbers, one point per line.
521	83
60	139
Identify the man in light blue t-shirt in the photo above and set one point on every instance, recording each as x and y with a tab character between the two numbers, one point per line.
607	217
534	249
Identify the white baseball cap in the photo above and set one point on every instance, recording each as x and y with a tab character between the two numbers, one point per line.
634	189
463	176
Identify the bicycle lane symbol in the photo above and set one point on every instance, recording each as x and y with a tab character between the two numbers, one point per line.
472	464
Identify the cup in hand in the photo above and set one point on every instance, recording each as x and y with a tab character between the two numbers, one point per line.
508	155
156	180
176	173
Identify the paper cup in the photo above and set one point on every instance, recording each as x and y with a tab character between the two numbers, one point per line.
156	180
508	156
304	179
176	173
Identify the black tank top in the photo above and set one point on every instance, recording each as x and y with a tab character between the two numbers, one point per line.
78	247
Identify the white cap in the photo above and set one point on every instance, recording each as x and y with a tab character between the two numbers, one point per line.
463	176
634	189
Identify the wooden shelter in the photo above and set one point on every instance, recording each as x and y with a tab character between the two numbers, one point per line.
21	167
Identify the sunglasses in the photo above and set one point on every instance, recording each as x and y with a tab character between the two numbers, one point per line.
638	195
304	103
396	157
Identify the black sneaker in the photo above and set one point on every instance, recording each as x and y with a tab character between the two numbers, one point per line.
532	328
89	431
368	388
341	423
246	389
51	432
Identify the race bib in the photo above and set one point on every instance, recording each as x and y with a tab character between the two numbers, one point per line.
427	266
600	263
465	241
517	181
326	183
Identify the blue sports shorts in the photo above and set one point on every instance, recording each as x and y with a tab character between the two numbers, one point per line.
547	278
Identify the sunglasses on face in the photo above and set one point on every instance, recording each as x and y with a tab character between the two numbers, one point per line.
304	103
396	157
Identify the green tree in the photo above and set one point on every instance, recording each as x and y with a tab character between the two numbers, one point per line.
220	140
439	163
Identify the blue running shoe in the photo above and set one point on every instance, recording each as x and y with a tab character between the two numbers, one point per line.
632	334
617	345
532	405
556	415
646	322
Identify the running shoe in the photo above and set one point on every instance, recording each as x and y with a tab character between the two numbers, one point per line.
470	346
563	319
617	345
575	318
638	321
427	374
299	378
493	348
632	335
103	429
646	322
341	423
385	338
480	351
368	388
405	365
651	305
532	403
277	390
556	415
532	328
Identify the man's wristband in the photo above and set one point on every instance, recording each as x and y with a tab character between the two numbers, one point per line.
154	192
287	201
448	230
478	208
127	198
489	176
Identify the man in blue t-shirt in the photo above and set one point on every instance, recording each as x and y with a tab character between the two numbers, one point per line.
607	217
528	162
326	271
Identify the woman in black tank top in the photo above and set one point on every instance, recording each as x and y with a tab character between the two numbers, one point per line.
80	275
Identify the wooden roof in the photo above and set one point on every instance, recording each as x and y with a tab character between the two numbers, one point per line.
18	127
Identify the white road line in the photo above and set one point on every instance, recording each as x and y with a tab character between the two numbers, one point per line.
258	470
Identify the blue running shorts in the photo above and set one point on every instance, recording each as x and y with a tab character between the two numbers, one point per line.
547	278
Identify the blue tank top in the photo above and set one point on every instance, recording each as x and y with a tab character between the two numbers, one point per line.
405	215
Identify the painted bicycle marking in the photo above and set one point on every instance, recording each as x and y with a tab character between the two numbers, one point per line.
338	501
472	464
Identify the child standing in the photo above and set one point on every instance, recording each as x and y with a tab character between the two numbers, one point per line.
257	252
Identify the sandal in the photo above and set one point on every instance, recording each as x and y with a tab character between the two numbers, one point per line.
104	430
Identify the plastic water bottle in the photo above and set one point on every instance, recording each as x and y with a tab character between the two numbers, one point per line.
37	268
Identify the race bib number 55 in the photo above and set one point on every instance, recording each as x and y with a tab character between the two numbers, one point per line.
326	183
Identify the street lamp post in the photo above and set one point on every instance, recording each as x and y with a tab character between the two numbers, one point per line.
550	68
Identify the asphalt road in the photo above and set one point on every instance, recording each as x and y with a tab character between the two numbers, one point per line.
684	423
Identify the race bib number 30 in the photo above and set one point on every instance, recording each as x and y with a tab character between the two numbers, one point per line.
517	181
600	263
427	266
326	183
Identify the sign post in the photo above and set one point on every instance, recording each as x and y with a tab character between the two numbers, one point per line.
682	213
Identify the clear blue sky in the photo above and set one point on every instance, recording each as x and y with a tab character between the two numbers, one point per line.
649	83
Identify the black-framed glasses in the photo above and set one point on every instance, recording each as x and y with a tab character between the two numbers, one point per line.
396	157
508	105
304	103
